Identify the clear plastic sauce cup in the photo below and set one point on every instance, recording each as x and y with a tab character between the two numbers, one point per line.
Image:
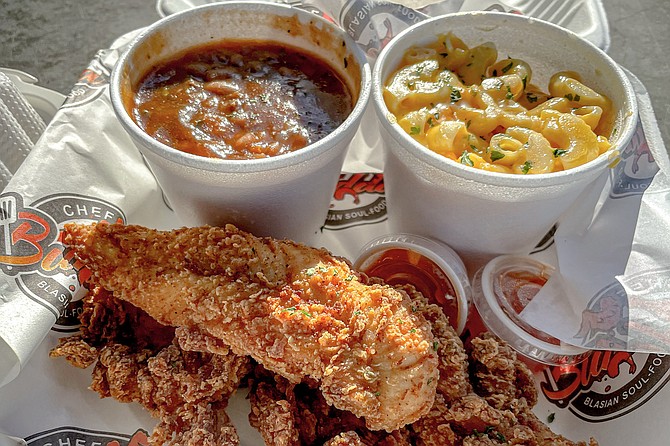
433	268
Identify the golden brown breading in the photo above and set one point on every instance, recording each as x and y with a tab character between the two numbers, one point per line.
105	319
345	439
273	415
288	414
299	311
199	425
452	359
76	351
139	360
498	375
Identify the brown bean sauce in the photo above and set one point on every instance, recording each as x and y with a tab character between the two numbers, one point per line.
241	100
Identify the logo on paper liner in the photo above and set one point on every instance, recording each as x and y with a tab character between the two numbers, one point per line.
71	436
373	24
358	200
33	256
92	82
636	169
611	382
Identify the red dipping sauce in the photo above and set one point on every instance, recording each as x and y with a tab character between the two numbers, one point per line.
432	268
501	292
518	289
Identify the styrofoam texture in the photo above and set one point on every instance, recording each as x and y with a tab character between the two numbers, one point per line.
480	212
283	196
442	255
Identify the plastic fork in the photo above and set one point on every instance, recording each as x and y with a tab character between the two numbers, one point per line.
559	12
8	216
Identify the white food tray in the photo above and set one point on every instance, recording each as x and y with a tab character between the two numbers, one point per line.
585	18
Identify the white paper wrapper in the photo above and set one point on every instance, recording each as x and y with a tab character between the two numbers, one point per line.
86	168
613	255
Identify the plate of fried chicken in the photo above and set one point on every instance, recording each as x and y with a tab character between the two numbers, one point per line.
185	321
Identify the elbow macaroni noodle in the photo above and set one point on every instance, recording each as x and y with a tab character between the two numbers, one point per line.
465	104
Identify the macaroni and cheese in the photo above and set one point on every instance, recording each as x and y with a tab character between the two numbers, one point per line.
469	106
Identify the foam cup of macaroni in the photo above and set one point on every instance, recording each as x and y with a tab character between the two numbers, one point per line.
284	196
482	213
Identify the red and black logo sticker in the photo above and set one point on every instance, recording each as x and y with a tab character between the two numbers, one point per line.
358	200
607	385
32	254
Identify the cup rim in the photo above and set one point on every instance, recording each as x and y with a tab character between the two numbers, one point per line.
302	155
414	148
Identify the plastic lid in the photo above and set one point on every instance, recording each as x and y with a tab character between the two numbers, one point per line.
501	290
431	266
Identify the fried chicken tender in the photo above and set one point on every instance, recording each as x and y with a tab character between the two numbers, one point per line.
452	365
139	360
485	398
498	409
289	414
299	311
498	375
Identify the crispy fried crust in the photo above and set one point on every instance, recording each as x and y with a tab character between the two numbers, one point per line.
297	310
139	360
184	375
484	398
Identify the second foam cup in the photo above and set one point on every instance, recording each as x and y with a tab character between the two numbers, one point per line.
481	213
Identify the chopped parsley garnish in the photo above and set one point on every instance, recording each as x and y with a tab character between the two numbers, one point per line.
570	97
524	80
455	95
465	159
497	155
559	152
526	167
507	67
436	345
531	97
509	94
414	130
551	417
292	311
